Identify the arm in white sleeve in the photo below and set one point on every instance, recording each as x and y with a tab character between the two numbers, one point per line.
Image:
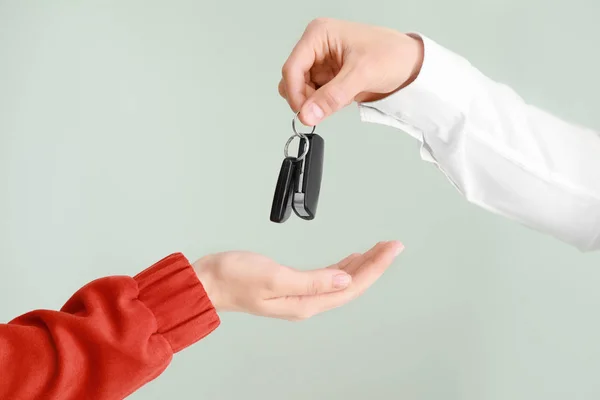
499	152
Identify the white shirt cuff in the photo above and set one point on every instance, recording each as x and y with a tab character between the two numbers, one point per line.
439	97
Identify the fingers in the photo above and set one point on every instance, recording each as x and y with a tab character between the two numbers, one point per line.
310	283
333	96
309	89
367	268
294	71
356	264
343	264
281	89
373	267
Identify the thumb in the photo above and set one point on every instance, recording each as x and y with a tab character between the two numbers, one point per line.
331	97
310	283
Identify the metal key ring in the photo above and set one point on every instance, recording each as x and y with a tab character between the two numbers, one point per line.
300	134
306	146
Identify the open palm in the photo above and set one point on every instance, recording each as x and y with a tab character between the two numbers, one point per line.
252	283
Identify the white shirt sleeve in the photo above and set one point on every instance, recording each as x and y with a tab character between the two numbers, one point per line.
499	152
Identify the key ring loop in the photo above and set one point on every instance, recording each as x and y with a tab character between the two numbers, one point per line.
306	146
300	134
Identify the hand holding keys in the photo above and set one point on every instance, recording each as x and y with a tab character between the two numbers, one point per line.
299	182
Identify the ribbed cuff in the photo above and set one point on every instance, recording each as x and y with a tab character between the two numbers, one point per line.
172	291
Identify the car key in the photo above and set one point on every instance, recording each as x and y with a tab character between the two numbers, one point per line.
308	177
299	182
281	209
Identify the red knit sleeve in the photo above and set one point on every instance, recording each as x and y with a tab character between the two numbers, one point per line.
113	336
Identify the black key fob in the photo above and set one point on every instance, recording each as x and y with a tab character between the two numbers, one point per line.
281	209
308	175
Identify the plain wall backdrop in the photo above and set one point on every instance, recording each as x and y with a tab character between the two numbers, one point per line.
133	129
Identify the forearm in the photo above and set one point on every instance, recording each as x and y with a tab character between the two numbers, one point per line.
113	336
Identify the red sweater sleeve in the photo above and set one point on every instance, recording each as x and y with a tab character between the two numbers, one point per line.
113	336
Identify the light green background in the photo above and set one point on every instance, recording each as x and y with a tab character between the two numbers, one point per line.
132	129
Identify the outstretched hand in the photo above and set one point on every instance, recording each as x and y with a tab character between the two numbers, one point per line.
254	284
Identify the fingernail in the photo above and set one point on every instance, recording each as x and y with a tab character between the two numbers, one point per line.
399	249
341	280
315	114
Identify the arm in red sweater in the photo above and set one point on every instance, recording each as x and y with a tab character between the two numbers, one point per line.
113	336
117	333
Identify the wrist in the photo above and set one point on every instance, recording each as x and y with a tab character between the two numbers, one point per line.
205	274
181	307
416	51
408	60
